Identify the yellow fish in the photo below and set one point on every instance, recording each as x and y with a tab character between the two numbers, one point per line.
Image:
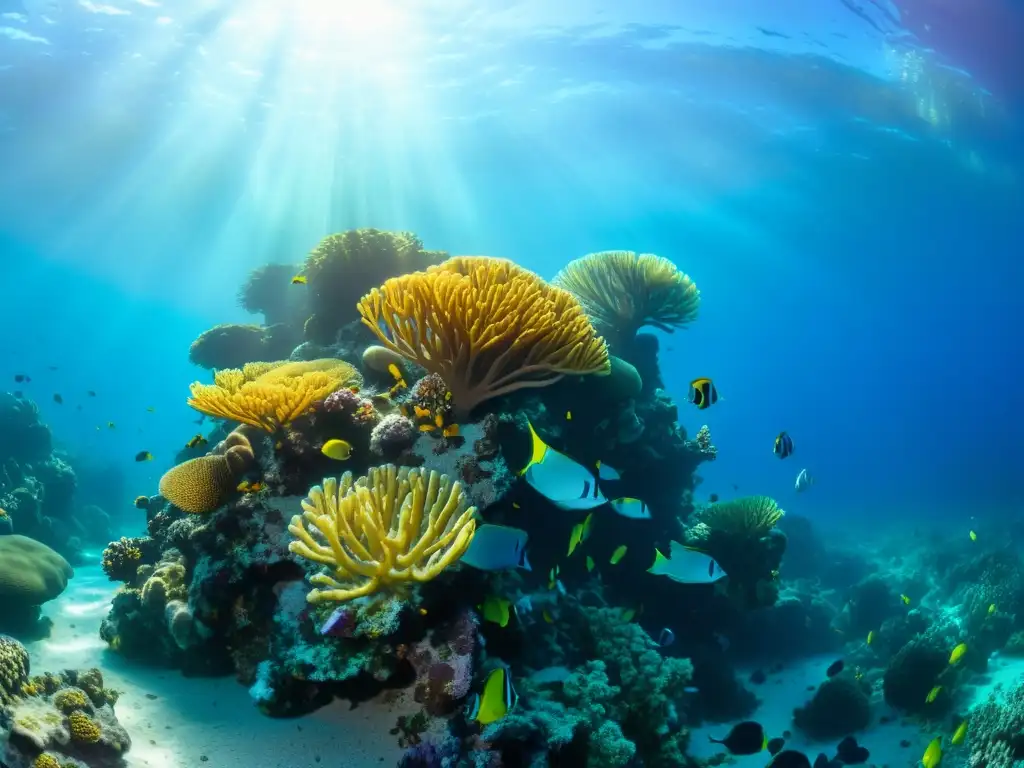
196	441
568	415
958	653
496	610
515	505
439	419
905	599
339	450
143	456
299	280
580	533
871	637
933	754
421	413
991	609
628	615
590	563
618	554
933	694
395	372
497	700
974	536
959	734
452	430
427	428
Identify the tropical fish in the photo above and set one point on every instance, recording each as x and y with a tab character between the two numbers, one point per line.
666	637
783	445
496	610
20	377
439	420
563	481
958	653
991	609
933	753
419	412
452	430
790	758
686	565
905	600
871	637
246	487
631	508
959	734
568	415
590	564
775	745
580	533
196	441
58	399
497	699
803	481
497	547
703	393
299	280
111	425
143	456
628	615
835	668
974	536
339	450
142	502
746	738
427	428
933	694
618	554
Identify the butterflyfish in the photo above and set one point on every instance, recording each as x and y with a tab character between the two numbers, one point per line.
196	441
497	699
686	565
496	610
580	533
143	456
631	508
746	738
496	548
299	280
703	393
958	653
933	753
563	481
783	445
618	554
339	450
959	734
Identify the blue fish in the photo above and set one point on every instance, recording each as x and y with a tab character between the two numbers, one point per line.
497	547
562	480
783	445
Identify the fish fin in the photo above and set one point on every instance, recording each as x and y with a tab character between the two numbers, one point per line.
537	448
659	561
525	564
474	707
605	472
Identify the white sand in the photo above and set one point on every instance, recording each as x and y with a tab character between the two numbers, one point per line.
213	717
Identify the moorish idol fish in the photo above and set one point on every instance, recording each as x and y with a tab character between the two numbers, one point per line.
497	699
703	393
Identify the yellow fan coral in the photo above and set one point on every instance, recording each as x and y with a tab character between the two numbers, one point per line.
382	532
752	516
271	395
486	326
623	291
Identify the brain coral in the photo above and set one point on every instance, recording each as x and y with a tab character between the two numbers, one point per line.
14	668
30	572
202	484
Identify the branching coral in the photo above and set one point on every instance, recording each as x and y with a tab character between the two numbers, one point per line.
486	326
383	531
623	291
272	395
346	265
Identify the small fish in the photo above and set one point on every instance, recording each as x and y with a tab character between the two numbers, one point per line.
339	450
835	668
299	280
618	554
686	565
666	637
871	637
497	547
246	487
775	745
421	413
515	505
974	536
959	734
143	456
958	653
803	481
498	698
452	430
933	694
142	502
905	600
568	415
21	377
703	393
991	609
111	425
546	615
783	445
439	420
91	393
580	533
790	758
933	753
427	428
553	576
590	564
746	738
422	611
563	481
496	610
58	399
197	440
631	508
628	615
395	371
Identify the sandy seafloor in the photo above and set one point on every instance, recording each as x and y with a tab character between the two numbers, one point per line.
213	718
176	722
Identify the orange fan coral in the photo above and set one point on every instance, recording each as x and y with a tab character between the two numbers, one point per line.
486	326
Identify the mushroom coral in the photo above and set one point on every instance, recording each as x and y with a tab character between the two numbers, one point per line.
387	530
272	395
486	326
623	291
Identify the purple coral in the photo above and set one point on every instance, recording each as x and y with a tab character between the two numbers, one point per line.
349	403
444	664
393	435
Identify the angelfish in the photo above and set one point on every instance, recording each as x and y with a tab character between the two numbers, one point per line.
687	565
564	481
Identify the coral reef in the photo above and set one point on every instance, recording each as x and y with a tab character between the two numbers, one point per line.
30	574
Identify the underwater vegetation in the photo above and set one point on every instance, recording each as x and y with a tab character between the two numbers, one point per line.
450	479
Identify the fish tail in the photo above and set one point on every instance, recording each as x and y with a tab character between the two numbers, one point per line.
659	560
537	448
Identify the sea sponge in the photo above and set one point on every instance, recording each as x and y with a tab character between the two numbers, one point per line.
486	326
30	572
202	484
14	668
270	396
83	728
387	530
838	708
623	291
344	266
230	345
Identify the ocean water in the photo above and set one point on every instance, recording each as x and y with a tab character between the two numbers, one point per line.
841	180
